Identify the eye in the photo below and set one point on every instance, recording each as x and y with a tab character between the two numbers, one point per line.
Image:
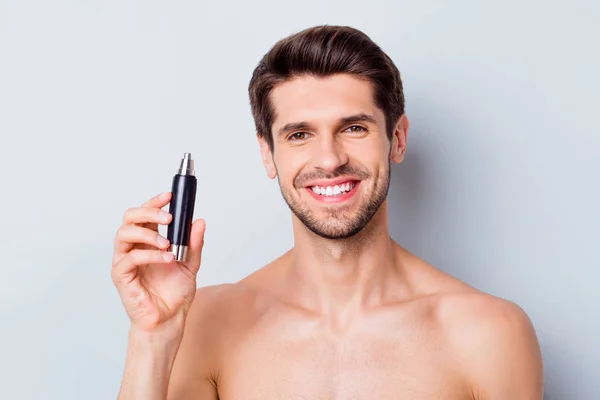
297	136
353	129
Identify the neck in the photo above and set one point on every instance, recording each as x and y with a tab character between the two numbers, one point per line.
340	277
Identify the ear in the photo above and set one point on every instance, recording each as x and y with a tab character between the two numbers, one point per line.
267	157
399	138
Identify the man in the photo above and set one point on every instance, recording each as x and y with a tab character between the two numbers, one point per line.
347	313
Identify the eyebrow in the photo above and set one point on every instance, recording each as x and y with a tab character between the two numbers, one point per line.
351	119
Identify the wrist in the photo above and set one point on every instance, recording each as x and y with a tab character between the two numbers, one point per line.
148	341
161	341
151	354
163	333
152	351
150	358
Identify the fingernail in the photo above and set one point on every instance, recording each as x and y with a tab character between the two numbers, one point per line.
162	241
168	256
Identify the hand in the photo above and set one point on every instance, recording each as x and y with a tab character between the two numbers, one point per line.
155	289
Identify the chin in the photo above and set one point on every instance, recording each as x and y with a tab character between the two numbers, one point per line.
334	222
335	232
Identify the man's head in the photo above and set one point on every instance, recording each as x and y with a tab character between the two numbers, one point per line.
328	106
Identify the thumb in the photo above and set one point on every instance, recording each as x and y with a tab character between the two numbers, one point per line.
194	256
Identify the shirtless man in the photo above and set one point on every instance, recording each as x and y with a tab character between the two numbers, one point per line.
347	313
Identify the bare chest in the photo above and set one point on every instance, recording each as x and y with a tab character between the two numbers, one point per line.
272	365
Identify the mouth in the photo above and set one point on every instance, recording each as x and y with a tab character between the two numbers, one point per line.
334	193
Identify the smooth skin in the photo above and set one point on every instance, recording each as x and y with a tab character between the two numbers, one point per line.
353	318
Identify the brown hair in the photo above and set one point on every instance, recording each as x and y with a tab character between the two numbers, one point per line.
322	51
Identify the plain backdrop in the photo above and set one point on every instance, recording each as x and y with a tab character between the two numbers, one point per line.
100	99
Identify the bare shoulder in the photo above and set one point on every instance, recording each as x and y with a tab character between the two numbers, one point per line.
489	340
495	343
217	314
210	299
472	308
220	310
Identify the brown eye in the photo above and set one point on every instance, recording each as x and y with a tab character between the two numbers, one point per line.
297	136
357	129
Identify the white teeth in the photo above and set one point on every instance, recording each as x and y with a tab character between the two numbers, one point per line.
333	190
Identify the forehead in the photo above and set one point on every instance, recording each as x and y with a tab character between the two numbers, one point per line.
318	99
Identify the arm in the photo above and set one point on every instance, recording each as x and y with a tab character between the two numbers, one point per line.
501	353
149	360
193	376
174	363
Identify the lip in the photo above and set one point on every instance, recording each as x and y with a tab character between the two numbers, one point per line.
334	199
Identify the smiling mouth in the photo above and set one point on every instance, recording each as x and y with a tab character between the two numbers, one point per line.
335	190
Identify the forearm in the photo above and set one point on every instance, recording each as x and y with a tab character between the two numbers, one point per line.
148	365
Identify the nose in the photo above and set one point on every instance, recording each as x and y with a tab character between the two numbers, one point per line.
330	154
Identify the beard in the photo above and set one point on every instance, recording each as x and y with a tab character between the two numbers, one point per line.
338	224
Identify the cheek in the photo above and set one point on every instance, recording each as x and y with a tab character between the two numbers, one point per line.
374	158
288	165
370	149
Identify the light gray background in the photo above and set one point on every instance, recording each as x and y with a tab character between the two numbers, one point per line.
100	99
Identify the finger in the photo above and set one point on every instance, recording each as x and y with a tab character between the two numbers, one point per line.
196	246
125	270
143	215
130	235
158	201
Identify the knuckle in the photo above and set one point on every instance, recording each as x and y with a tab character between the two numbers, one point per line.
135	256
115	273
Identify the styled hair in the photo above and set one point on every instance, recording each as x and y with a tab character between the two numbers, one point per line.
323	51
